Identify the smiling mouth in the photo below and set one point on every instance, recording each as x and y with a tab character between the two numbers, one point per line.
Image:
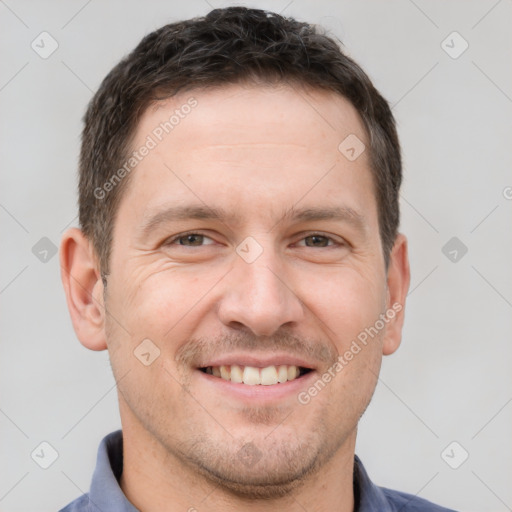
253	376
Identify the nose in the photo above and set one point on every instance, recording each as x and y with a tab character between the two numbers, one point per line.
259	296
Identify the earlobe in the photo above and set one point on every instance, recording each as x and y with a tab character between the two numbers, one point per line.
83	288
398	280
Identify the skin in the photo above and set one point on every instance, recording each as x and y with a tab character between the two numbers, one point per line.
257	152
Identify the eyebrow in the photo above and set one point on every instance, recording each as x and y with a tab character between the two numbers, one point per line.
202	212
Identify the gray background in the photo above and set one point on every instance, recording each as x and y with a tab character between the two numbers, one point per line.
450	380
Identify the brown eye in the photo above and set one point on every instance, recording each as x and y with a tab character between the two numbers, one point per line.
190	240
317	241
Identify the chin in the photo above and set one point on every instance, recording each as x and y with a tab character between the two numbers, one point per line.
265	468
266	483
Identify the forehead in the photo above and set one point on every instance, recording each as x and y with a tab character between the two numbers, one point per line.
249	147
235	114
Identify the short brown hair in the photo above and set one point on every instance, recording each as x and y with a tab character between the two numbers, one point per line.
227	46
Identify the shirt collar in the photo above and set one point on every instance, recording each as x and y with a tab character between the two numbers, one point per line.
367	496
106	494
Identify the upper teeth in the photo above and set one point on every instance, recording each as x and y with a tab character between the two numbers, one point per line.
252	375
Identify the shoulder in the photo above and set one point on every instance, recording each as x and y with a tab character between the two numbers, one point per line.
371	497
410	503
81	504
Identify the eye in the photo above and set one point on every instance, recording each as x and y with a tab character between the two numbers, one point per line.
319	240
189	240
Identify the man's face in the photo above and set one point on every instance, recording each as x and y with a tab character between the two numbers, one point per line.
273	284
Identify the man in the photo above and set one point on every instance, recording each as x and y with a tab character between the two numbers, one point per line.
239	258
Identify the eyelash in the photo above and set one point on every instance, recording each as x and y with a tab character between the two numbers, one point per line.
174	239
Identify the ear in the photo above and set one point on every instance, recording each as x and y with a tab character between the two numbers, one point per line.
84	289
398	280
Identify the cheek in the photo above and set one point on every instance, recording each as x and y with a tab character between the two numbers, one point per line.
345	300
347	308
168	302
350	305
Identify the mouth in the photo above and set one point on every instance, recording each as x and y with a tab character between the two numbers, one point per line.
257	376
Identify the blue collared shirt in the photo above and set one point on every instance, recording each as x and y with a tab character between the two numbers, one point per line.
106	495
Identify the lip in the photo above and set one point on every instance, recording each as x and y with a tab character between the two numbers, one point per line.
259	360
258	393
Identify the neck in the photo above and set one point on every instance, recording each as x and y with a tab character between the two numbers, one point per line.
154	480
